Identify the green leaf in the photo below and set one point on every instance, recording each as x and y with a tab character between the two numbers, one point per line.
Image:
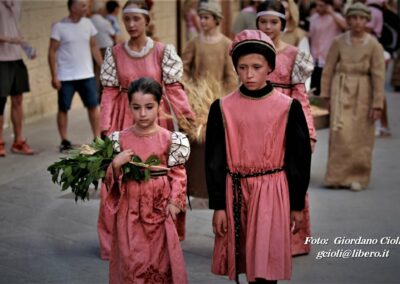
146	174
153	160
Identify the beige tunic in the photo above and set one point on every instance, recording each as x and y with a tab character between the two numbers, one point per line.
203	60
353	78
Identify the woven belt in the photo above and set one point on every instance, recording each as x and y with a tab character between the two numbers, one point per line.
283	86
237	204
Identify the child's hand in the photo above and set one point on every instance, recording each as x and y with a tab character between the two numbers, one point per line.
219	223
296	221
172	210
122	158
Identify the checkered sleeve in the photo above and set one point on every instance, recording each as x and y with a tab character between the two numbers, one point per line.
180	149
303	67
172	67
108	73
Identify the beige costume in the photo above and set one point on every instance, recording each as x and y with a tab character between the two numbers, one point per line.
202	60
353	78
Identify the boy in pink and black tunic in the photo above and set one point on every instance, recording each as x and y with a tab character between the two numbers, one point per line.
258	157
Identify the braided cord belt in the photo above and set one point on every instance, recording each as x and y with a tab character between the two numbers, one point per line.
237	206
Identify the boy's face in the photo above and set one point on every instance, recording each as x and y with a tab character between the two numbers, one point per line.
145	110
253	70
207	21
357	23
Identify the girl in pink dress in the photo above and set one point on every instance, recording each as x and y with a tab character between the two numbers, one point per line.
258	157
293	67
138	57
145	247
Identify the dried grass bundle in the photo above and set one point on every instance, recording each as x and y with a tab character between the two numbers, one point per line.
201	94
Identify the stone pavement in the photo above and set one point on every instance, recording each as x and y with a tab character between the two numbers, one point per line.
45	237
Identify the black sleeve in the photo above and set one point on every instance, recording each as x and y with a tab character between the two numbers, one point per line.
297	156
215	158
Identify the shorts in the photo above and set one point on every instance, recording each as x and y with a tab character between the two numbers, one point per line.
86	89
14	78
3	101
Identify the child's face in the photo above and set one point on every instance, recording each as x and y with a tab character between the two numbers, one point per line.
321	7
253	70
357	23
270	25
207	22
145	110
135	23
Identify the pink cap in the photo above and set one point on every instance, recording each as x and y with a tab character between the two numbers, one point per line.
251	36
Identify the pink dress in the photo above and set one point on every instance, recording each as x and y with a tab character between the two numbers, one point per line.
283	80
119	69
264	246
145	247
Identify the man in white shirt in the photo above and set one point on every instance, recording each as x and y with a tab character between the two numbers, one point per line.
72	45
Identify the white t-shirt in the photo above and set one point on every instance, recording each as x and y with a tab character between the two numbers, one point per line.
74	57
105	31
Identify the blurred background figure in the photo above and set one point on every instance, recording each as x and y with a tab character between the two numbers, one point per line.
246	19
113	8
385	26
206	56
293	34
353	79
105	36
13	74
325	25
71	49
191	18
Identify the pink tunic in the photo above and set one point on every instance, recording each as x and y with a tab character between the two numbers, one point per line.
116	115
115	112
145	247
265	210
285	61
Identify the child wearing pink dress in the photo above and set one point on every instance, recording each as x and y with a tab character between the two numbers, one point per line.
258	157
122	64
145	241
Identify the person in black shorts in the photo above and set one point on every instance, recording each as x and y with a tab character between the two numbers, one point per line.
13	75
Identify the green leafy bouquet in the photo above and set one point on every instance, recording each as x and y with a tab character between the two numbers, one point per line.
89	164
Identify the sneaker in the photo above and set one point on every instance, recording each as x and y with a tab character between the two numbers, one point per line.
356	186
21	147
384	132
65	146
2	149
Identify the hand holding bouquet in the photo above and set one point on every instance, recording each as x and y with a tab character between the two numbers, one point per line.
87	165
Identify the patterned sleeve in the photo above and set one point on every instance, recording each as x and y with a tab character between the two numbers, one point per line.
172	67
180	149
303	67
108	73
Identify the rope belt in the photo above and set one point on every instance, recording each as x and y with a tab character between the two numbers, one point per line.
123	89
155	174
283	86
237	204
